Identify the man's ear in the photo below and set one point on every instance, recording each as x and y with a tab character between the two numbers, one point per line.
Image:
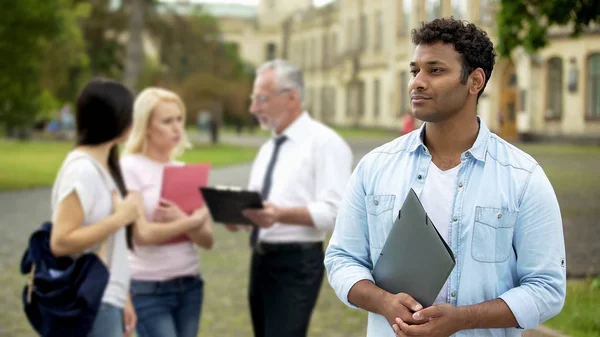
476	81
293	95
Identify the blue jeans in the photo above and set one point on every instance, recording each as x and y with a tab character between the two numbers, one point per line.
108	322
168	308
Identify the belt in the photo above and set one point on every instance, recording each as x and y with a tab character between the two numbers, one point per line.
266	247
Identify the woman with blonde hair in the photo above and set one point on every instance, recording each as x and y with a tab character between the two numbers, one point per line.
166	287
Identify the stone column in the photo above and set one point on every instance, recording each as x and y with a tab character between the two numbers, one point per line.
446	8
474	11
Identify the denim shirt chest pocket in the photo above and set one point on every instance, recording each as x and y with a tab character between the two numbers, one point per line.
493	234
380	218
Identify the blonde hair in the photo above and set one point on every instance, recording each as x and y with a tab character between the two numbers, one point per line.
144	106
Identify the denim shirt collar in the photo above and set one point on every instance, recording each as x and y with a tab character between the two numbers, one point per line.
478	150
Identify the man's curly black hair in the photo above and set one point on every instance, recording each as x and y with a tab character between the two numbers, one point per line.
469	41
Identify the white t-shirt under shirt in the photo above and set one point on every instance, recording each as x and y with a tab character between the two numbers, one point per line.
155	262
437	198
94	186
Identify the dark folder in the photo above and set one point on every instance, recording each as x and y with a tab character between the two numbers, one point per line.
415	259
227	203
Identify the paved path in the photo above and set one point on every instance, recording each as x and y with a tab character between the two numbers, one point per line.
22	211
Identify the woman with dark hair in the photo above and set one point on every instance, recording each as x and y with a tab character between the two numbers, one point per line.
90	206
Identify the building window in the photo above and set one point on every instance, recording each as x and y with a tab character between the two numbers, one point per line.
314	54
325	47
554	88
324	102
433	9
593	93
350	37
459	9
376	98
406	10
361	95
332	98
334	46
488	11
306	54
271	51
378	30
364	32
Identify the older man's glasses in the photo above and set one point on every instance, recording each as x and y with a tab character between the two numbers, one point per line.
262	99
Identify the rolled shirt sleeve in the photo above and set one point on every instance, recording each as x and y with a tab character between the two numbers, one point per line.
539	245
333	167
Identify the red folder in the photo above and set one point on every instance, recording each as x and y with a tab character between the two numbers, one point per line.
181	185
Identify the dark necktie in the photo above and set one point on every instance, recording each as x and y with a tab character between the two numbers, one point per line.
266	187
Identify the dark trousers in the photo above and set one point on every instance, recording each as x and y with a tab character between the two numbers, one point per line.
285	280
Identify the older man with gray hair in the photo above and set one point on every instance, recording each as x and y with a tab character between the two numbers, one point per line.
301	172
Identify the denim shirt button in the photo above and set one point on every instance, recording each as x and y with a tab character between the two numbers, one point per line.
460	184
453	294
455	218
376	202
419	177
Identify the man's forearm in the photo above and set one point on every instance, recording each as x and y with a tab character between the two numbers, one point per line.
295	216
488	315
366	295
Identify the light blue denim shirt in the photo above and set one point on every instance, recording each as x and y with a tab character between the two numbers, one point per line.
505	228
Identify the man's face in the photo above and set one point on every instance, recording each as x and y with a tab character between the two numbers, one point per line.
269	104
436	92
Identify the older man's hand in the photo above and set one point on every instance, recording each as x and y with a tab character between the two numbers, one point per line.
264	217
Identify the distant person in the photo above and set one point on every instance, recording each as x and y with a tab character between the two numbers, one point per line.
203	120
166	288
491	202
87	208
301	173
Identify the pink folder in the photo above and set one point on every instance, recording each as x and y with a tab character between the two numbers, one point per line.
181	185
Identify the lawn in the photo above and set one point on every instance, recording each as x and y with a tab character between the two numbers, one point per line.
34	164
580	316
572	170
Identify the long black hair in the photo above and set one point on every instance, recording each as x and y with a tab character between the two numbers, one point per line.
104	112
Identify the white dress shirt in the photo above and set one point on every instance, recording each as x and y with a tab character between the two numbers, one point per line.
312	169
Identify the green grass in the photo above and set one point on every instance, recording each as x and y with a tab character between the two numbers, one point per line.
34	164
580	316
573	171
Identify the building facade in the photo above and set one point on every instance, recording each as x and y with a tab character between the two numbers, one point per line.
356	55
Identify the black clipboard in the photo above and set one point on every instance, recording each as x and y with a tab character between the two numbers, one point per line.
227	203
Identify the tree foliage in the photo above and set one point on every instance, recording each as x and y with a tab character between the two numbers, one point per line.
50	48
526	22
25	28
200	66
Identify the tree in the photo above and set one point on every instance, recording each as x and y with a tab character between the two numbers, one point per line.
134	57
101	32
525	22
197	64
25	25
65	67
